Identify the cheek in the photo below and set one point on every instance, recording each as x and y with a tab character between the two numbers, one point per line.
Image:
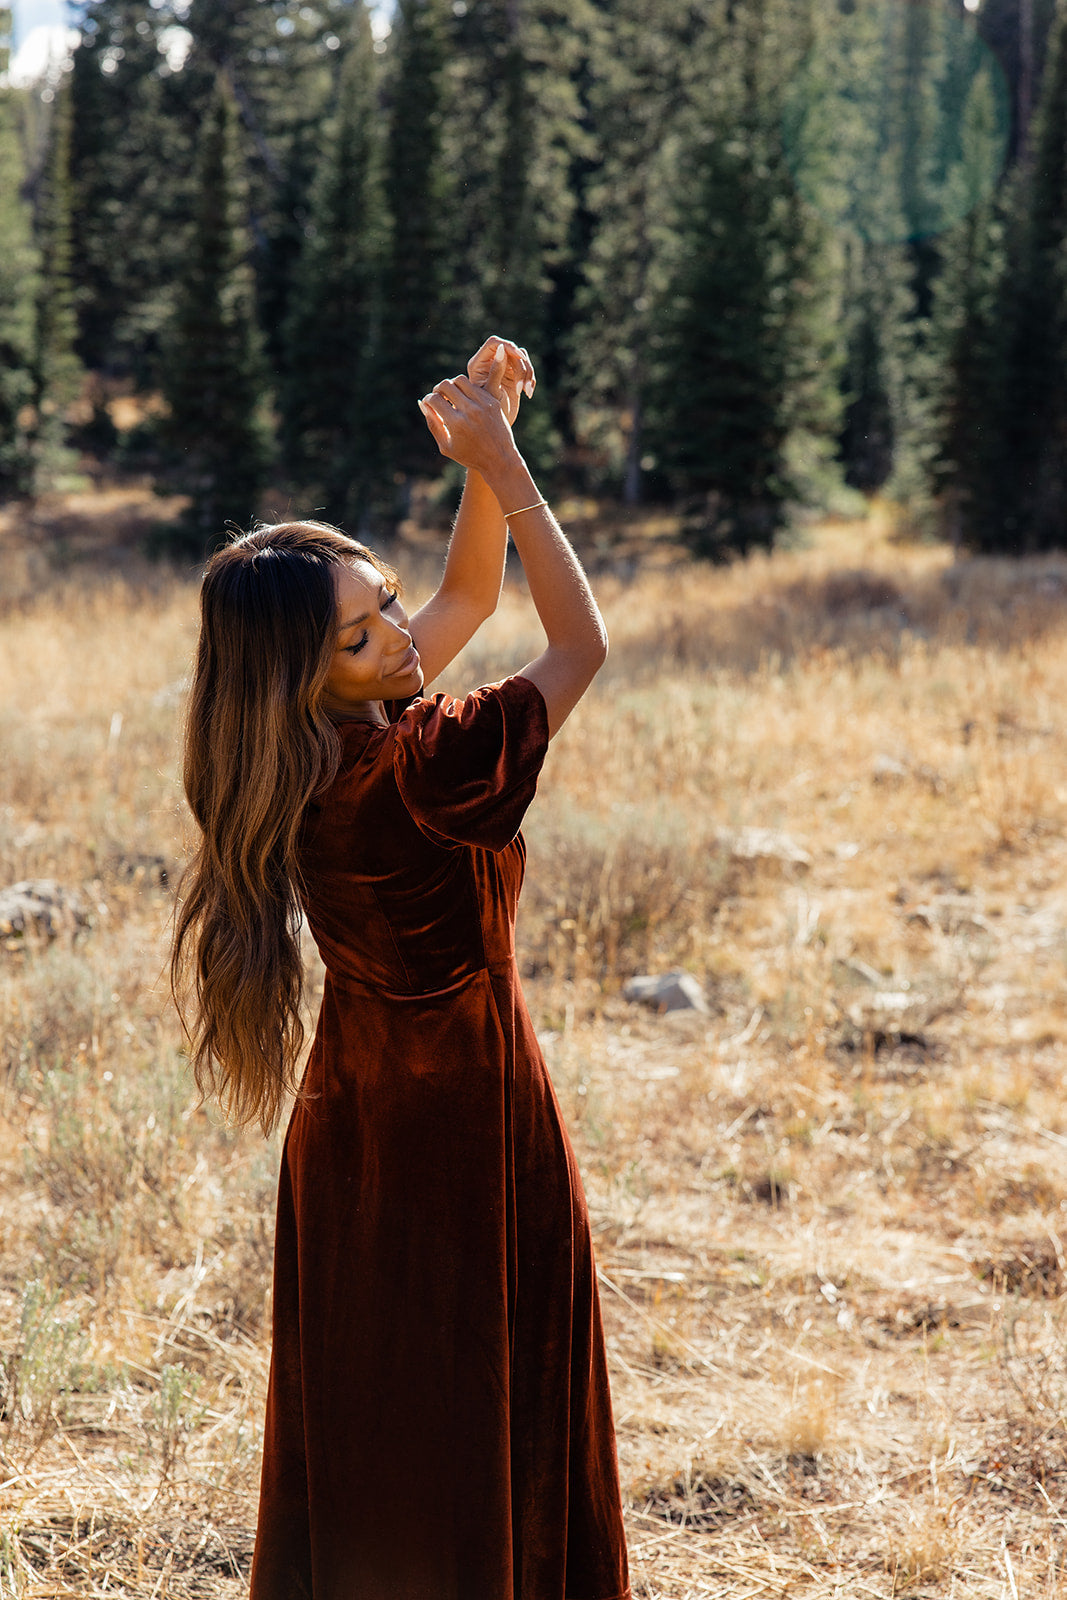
340	668
349	669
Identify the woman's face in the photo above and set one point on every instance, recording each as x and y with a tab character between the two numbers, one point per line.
374	658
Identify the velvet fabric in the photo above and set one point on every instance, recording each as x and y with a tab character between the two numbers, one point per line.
438	1419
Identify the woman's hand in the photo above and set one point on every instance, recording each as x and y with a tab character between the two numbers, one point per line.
469	424
470	419
505	369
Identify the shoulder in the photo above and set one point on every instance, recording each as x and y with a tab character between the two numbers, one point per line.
485	713
467	768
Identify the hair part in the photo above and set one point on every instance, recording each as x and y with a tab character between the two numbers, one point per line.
258	746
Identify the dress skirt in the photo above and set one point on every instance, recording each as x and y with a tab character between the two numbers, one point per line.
438	1418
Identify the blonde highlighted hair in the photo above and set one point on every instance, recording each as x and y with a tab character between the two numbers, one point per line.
258	747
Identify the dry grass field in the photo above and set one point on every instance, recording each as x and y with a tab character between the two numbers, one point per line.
831	1212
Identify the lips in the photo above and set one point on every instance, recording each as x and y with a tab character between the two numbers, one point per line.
408	665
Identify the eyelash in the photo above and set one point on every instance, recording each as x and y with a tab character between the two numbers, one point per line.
390	600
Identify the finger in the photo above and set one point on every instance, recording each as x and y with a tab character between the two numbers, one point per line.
487	350
498	338
481	361
515	354
460	388
497	372
527	377
447	389
436	424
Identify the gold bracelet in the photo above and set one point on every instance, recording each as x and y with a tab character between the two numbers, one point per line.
535	507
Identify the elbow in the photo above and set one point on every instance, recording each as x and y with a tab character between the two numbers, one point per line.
594	652
490	600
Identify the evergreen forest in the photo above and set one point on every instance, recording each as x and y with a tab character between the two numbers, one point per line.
765	254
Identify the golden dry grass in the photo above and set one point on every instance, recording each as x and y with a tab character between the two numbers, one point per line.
831	1213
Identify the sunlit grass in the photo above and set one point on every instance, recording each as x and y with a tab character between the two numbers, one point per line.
831	1214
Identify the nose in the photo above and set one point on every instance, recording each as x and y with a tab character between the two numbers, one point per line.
400	627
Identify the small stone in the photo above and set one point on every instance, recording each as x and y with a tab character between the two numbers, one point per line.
39	908
141	869
668	991
887	769
764	844
954	914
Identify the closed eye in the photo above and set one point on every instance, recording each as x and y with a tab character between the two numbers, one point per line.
389	598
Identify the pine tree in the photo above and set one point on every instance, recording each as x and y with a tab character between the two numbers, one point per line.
336	303
921	54
136	129
57	372
965	337
748	345
881	421
131	168
637	94
874	124
518	152
1032	306
214	372
514	290
417	286
1017	32
18	285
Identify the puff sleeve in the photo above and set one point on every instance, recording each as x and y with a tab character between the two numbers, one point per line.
467	769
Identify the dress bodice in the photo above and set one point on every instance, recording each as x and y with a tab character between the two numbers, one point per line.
412	861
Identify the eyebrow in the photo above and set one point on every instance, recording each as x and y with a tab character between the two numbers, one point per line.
357	620
354	623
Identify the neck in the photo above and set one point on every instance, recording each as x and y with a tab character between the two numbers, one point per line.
373	711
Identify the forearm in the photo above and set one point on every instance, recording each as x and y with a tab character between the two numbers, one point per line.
474	566
558	587
470	427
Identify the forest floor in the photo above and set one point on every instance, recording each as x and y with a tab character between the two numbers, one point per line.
830	1211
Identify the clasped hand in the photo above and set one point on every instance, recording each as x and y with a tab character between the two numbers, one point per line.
471	418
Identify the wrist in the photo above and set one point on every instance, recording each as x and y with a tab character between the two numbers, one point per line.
513	484
475	484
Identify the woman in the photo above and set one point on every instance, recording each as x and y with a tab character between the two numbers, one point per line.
438	1419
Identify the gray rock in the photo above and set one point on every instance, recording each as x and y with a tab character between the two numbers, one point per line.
668	991
893	770
766	845
888	769
39	908
950	913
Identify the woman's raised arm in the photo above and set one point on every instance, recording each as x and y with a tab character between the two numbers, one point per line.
474	567
470	427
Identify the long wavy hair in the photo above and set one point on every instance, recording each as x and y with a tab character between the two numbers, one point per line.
258	746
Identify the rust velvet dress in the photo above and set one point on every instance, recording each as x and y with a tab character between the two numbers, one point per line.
438	1420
